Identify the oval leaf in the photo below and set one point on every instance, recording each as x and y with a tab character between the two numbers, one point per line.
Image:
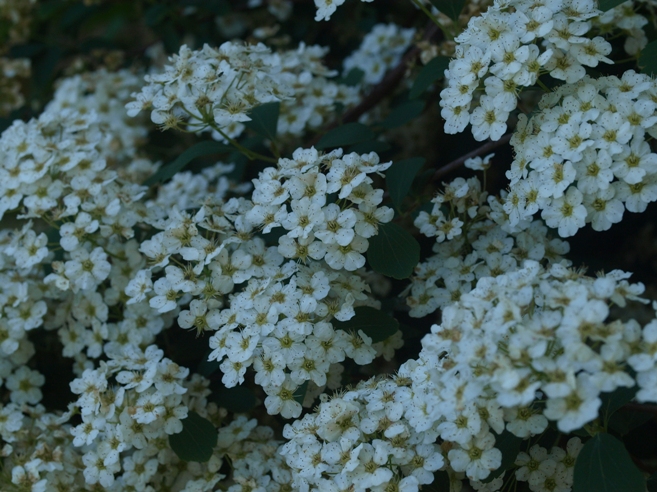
432	71
393	251
451	8
605	5
348	134
403	113
611	402
648	59
375	324
237	400
264	119
198	150
604	465
399	178
197	439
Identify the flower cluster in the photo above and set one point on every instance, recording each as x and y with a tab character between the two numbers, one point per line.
526	346
314	94
584	157
212	88
361	440
380	50
278	319
472	242
626	18
548	471
215	89
507	48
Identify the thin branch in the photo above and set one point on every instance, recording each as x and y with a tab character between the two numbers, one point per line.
640	407
484	149
391	80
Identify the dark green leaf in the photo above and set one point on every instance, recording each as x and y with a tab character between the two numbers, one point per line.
432	71
648	59
509	444
367	147
353	78
300	393
375	324
615	400
155	14
264	119
237	400
652	483
603	465
207	367
440	483
451	8
198	150
393	251
624	421
399	178
403	113
347	134
605	5
196	440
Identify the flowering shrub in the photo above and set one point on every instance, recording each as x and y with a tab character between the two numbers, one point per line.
227	261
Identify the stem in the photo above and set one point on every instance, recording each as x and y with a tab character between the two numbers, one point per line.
250	154
449	167
543	86
433	18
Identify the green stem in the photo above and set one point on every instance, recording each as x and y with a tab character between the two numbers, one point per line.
433	18
543	86
251	155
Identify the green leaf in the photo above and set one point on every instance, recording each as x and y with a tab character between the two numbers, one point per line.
652	483
509	444
237	400
432	71
399	178
605	5
207	367
604	465
624	421
300	393
264	119
347	134
403	113
375	324
451	8
648	59
353	78
367	147
198	150
393	251
615	400
197	439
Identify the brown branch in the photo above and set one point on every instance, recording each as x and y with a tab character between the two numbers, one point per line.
451	166
640	407
387	85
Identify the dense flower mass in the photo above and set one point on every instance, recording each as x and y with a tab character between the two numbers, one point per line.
390	332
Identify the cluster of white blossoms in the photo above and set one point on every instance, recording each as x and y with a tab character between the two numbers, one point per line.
526	346
271	306
215	89
548	471
380	50
506	49
472	242
584	157
129	405
315	95
522	348
629	21
361	439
